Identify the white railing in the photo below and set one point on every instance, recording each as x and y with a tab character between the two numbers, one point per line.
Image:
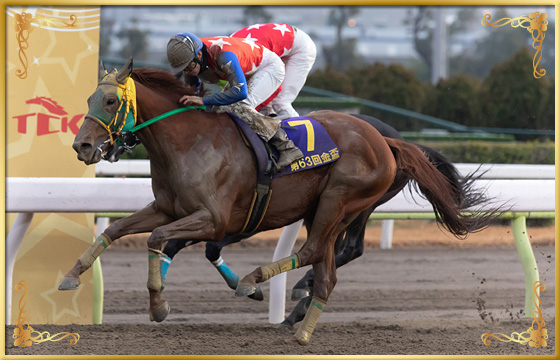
527	188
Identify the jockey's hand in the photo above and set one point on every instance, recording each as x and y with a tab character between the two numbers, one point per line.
189	100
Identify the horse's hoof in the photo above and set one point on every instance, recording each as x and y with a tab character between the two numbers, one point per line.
285	325
69	283
245	289
159	314
303	337
298	294
258	295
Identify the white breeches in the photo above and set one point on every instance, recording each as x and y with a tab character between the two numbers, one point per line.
298	63
265	80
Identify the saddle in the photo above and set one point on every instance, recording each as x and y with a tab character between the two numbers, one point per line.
308	135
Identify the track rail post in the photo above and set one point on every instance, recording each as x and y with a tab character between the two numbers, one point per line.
527	259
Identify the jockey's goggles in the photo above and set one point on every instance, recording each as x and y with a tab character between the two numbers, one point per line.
192	65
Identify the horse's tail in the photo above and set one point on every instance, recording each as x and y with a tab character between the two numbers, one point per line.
441	184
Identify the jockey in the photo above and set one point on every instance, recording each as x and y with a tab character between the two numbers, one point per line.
253	73
297	51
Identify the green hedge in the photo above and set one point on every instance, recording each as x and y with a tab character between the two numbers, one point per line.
509	97
531	152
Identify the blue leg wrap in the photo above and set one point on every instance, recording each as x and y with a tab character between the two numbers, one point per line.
229	276
165	261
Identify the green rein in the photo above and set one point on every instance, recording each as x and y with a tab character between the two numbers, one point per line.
164	115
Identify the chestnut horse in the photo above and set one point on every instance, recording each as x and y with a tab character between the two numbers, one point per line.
203	179
350	243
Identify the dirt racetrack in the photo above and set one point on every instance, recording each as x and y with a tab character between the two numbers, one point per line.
438	298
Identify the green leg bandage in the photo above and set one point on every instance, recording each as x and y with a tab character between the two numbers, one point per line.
280	266
303	334
93	252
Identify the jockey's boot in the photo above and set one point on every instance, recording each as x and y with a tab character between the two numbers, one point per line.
288	151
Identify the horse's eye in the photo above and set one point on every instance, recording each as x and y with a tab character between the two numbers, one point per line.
110	101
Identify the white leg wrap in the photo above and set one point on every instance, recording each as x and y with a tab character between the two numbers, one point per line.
93	252
303	333
155	281
280	266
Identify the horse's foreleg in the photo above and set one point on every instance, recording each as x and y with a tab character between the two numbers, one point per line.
144	220
197	226
213	254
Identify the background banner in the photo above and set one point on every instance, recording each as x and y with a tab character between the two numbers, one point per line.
51	69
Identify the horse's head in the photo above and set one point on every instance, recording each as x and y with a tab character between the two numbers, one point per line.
112	110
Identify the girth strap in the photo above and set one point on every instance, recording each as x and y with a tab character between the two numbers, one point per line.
262	193
259	204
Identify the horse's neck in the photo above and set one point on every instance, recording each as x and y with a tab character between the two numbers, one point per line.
173	137
151	104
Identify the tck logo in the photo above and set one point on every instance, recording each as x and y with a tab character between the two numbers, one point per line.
56	120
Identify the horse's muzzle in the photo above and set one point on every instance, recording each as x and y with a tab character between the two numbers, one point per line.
89	142
87	152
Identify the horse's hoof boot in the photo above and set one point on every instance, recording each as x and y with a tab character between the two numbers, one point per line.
298	294
258	295
244	289
303	337
69	283
159	314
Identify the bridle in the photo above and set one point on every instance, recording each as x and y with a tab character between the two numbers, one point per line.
123	123
125	117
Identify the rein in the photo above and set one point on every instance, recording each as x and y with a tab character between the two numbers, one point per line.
127	112
164	115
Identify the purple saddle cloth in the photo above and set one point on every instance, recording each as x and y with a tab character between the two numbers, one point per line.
306	133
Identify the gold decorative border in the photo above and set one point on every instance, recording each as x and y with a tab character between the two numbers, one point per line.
24	22
534	336
27	336
535	23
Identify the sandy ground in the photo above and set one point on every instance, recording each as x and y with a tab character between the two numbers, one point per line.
437	298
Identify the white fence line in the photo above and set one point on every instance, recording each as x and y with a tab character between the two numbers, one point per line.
491	171
528	188
132	194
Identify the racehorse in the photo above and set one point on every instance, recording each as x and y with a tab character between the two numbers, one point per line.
350	243
203	177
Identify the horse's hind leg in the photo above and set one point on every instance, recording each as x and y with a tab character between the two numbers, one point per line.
304	287
318	251
144	220
325	274
351	247
348	246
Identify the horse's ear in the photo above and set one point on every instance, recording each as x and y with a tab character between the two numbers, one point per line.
125	72
102	71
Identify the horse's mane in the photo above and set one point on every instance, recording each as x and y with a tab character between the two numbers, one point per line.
162	81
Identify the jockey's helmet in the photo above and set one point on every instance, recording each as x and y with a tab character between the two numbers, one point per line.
182	49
